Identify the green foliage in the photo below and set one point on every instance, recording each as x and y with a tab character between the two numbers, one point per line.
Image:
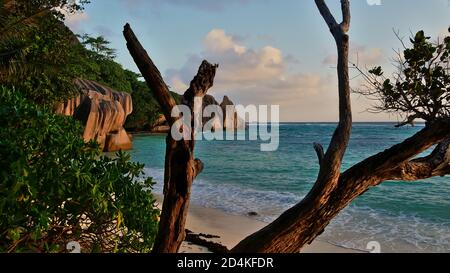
41	57
99	65
98	45
145	108
55	188
421	88
38	54
107	72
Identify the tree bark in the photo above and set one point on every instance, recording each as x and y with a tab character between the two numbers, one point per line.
180	167
334	191
301	224
436	164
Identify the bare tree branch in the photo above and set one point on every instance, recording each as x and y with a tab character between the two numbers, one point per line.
326	14
380	167
180	167
330	169
199	166
150	73
436	164
345	25
301	224
409	121
319	151
203	81
334	191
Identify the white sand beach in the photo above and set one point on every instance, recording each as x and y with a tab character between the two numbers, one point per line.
234	228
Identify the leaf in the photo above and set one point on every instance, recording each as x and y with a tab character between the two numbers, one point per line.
119	219
377	71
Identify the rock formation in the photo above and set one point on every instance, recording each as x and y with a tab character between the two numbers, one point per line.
217	124
102	112
228	123
231	122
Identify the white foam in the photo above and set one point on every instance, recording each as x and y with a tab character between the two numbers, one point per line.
357	226
353	228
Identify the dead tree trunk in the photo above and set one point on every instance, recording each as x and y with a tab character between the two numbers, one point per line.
303	223
334	191
180	166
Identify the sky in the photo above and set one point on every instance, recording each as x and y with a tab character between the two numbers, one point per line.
269	52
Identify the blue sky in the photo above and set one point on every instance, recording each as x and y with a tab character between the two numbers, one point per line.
269	51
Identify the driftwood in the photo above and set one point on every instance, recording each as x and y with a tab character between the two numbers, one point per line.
200	239
333	190
303	223
180	166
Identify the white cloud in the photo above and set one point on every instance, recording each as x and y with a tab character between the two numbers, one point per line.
239	67
177	84
73	20
256	76
262	76
217	41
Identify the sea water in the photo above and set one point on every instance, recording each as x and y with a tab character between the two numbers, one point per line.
238	178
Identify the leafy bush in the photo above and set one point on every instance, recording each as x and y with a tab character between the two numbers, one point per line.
146	109
106	72
41	57
55	188
99	65
421	87
38	53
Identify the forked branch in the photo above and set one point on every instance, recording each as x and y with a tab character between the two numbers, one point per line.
151	74
436	164
319	151
301	224
180	168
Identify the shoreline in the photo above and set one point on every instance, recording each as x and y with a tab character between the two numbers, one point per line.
146	133
233	228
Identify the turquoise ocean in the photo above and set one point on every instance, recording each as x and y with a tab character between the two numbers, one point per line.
238	178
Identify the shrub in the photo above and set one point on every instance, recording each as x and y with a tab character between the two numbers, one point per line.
420	89
55	188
